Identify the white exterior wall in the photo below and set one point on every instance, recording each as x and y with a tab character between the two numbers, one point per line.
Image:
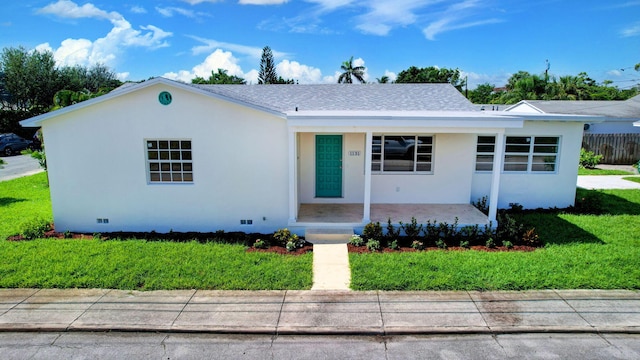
352	169
97	165
542	189
450	183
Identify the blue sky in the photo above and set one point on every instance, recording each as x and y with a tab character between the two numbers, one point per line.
488	40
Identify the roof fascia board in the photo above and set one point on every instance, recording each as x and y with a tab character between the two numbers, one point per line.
366	123
37	120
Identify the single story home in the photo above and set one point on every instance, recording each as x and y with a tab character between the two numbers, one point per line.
163	155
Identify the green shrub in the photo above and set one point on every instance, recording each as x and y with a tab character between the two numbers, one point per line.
508	228
441	244
35	228
281	237
490	243
464	244
590	203
260	244
373	245
291	245
418	245
356	240
482	204
372	231
97	236
67	234
508	244
588	159
393	233
394	245
412	230
530	238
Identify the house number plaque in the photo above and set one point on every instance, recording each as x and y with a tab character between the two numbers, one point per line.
165	98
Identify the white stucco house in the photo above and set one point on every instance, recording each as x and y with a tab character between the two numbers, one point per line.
162	155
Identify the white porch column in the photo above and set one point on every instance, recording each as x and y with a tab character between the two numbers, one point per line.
498	160
367	177
293	176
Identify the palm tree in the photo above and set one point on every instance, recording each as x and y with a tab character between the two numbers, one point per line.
383	80
349	71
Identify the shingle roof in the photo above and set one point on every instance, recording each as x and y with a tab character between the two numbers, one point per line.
347	97
613	109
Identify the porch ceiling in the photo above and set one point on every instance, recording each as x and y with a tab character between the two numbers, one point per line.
467	214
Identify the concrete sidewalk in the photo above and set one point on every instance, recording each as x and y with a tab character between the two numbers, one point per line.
321	312
596	182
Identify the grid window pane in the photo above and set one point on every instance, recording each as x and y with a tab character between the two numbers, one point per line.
533	154
402	153
485	150
169	160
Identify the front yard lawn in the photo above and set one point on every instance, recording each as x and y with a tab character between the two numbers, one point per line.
581	252
132	263
584	171
632	178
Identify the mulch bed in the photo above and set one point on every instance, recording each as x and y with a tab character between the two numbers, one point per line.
282	250
520	248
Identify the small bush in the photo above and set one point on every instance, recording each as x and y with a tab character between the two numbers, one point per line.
281	237
372	231
67	234
35	228
392	232
356	240
394	245
464	244
482	204
490	243
412	230
291	245
588	159
373	245
260	244
530	238
508	244
97	236
508	228
418	245
441	244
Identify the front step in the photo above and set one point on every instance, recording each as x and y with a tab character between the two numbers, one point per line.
328	235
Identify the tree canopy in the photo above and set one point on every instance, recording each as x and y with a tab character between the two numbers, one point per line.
267	74
30	83
431	74
221	77
350	72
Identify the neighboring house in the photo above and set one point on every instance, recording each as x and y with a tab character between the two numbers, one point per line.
616	139
619	116
163	155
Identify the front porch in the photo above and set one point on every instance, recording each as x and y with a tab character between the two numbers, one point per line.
353	214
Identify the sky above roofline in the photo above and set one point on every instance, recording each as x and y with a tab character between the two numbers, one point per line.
488	40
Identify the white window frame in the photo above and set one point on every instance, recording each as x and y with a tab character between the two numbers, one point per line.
531	154
175	168
485	153
415	170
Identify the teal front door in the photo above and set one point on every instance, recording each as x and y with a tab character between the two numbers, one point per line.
328	165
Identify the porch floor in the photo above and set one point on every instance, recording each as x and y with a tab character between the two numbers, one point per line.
352	213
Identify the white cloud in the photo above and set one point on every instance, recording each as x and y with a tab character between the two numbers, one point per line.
614	72
331	79
210	45
391	75
262	2
138	10
384	15
196	2
123	76
218	59
172	10
633	30
457	16
475	79
106	49
304	74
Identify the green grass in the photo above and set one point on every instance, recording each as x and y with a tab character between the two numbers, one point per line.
632	178
129	264
21	200
583	171
581	252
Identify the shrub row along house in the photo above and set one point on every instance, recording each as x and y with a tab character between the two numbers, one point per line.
163	155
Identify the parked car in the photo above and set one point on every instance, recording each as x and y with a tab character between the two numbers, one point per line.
11	144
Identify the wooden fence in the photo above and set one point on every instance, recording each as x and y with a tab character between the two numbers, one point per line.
622	149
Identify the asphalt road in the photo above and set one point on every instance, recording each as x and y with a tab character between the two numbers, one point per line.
18	166
114	345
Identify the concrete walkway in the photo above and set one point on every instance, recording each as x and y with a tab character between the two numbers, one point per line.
606	182
331	267
321	312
